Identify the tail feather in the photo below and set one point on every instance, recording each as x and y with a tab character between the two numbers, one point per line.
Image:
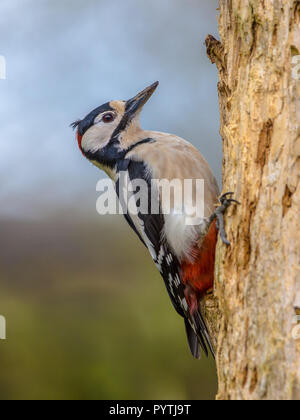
200	338
193	340
203	331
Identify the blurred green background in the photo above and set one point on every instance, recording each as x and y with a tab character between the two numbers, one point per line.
88	317
87	313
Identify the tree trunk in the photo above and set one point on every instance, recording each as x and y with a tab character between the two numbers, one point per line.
253	312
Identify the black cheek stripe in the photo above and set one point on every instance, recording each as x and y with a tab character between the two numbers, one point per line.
111	154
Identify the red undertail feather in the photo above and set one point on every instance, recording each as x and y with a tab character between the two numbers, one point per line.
199	275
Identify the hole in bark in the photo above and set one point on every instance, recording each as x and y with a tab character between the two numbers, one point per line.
274	36
264	143
286	201
254	30
247	234
294	51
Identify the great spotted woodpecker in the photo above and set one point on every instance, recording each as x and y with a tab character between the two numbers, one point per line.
111	138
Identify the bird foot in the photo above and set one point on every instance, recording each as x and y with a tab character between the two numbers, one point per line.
226	201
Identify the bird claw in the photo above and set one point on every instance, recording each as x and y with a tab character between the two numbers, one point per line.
226	201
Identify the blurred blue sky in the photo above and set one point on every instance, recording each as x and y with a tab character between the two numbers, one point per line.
64	58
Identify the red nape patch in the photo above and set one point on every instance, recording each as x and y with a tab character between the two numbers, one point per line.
199	275
79	139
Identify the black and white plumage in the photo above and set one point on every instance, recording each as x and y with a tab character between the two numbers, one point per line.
150	229
111	138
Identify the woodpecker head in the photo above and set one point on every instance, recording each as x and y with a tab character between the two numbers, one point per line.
107	133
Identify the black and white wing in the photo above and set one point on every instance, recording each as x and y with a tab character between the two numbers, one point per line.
150	228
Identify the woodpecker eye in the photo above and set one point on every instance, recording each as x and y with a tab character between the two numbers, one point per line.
107	118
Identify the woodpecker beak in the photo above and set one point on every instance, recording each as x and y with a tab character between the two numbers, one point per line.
134	105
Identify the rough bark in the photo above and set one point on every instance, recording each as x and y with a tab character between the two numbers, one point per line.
252	314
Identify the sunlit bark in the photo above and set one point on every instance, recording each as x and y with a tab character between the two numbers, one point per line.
253	312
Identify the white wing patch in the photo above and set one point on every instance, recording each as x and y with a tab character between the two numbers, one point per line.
169	259
171	283
160	258
185	305
177	280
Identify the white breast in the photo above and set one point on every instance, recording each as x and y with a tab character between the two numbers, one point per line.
181	236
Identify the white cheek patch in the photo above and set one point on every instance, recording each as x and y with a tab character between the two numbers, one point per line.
92	143
98	136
